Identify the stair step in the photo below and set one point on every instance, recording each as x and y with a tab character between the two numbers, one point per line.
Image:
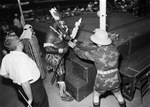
75	80
78	88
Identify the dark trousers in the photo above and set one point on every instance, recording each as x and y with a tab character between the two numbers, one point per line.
40	98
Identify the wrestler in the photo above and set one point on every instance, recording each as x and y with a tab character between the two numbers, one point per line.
56	47
105	57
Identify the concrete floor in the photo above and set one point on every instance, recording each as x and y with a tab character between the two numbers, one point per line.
9	97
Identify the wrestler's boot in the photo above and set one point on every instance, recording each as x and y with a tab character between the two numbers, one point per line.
96	102
96	105
120	98
122	104
65	96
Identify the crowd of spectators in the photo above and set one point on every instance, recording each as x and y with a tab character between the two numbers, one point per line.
135	7
9	20
138	8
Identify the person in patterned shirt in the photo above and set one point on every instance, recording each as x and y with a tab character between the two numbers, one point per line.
32	48
105	57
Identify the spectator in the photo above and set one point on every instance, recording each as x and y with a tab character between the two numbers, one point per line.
5	29
17	25
142	7
24	72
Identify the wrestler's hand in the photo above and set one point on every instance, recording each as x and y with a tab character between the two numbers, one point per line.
65	50
72	44
62	50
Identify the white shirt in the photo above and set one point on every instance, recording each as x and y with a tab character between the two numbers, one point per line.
19	67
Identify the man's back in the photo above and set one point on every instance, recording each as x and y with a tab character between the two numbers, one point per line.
19	67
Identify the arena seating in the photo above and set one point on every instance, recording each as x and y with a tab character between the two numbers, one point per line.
135	71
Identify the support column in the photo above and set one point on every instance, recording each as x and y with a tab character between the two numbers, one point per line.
102	8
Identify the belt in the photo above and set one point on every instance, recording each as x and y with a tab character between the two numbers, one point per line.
106	72
36	80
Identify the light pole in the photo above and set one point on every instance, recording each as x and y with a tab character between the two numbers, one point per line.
102	18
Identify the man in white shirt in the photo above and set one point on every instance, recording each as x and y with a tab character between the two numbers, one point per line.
23	71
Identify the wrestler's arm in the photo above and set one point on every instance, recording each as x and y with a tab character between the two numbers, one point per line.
83	54
52	50
50	47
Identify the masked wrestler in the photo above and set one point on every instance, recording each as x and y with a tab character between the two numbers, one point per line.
56	47
105	57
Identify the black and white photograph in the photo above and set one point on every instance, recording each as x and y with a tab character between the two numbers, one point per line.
74	53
